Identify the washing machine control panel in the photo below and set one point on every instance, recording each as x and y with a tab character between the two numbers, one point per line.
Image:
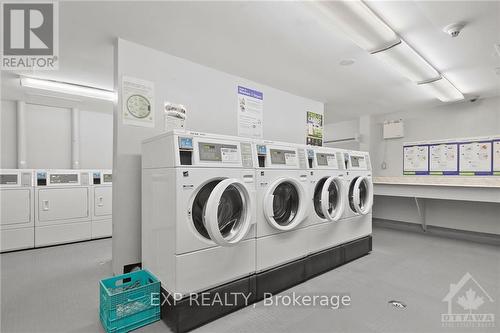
96	177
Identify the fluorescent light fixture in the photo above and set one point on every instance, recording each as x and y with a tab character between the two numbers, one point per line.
369	32
359	23
68	88
443	89
408	62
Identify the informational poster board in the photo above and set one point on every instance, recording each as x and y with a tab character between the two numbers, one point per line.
443	159
475	158
138	102
314	127
496	157
416	159
250	109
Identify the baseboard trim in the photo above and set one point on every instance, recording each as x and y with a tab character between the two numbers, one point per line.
471	236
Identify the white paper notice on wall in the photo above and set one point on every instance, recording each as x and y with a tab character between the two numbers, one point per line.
138	102
250	109
496	157
416	159
475	157
443	159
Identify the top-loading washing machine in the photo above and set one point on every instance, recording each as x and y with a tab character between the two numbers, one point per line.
198	210
101	200
356	220
62	206
282	203
327	191
17	214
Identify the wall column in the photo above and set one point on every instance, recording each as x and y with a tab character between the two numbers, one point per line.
21	135
75	138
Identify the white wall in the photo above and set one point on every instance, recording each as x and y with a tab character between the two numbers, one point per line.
210	97
448	121
458	120
48	134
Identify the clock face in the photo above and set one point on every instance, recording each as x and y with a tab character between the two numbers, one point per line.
138	106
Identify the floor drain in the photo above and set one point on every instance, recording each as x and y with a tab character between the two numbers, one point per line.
398	304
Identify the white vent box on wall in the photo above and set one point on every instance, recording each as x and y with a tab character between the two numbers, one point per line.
394	129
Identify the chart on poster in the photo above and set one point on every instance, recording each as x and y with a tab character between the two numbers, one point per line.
475	157
416	159
443	158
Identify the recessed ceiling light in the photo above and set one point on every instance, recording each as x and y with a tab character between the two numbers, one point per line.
347	62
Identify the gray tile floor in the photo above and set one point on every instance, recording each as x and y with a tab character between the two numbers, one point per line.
56	289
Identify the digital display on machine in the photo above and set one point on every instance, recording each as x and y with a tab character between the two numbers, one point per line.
8	179
326	159
356	161
261	150
185	143
283	157
107	178
216	152
64	179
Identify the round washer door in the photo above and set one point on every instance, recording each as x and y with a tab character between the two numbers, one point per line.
222	211
329	198
284	204
361	195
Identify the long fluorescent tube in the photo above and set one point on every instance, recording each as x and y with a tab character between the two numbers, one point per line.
367	30
68	88
408	62
359	23
443	89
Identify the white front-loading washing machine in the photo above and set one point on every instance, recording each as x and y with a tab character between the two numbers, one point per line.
327	192
17	209
282	203
101	199
62	206
198	210
356	221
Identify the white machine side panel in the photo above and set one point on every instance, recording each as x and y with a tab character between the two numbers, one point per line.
159	153
103	201
16	206
158	223
63	204
102	228
201	270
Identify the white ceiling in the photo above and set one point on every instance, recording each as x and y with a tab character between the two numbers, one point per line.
287	46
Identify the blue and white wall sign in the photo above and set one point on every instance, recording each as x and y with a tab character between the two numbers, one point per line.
250	109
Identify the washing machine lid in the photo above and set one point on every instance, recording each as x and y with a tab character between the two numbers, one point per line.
284	204
332	199
361	195
228	212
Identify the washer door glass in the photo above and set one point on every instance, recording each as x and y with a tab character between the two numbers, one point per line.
360	196
285	203
220	211
327	198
